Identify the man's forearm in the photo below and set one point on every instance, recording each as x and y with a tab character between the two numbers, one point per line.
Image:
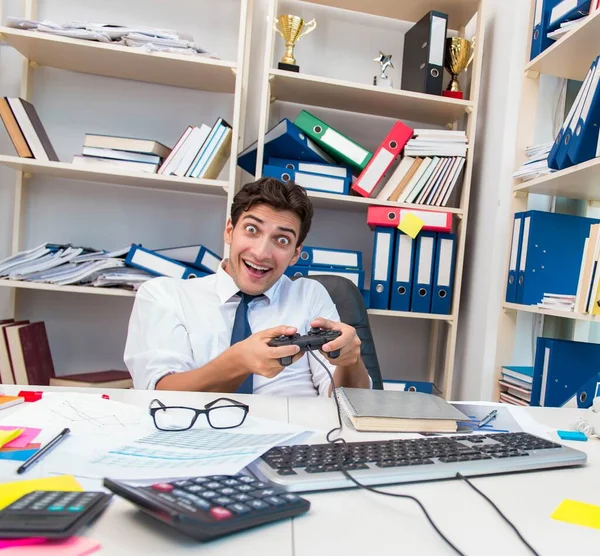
352	376
222	374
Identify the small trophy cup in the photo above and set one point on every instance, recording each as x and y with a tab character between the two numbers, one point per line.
383	80
292	28
459	54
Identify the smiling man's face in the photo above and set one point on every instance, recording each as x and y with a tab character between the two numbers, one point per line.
262	245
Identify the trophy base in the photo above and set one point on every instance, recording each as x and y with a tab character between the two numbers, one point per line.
288	67
453	94
383	82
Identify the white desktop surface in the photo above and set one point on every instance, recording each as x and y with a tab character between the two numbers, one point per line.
357	522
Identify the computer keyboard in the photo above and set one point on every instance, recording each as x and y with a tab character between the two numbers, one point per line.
304	468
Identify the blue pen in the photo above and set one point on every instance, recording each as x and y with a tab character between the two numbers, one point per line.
489	417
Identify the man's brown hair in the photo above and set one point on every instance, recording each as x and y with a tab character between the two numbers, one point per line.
279	196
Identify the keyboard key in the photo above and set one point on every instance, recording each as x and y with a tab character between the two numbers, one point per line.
209	494
231	482
239	508
287	471
257	504
242	497
75	509
245	488
274	501
56	508
263	493
220	513
213	485
223	501
227	491
246	479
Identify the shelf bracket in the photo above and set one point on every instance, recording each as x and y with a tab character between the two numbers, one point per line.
594	204
272	99
531	74
27	175
520	194
234	71
469	109
34	65
2	37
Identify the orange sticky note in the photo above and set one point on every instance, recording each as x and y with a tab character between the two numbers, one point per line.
578	513
411	225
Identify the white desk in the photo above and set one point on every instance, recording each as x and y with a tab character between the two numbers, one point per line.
358	522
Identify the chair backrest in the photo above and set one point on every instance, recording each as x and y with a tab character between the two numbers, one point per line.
352	311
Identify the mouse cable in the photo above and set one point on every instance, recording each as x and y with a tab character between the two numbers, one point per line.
340	440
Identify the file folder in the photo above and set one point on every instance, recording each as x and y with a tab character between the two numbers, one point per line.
409	386
568	10
404	252
423	56
561	367
355	275
332	170
588	391
433	221
515	253
423	272
539	38
584	139
551	250
284	140
381	268
152	262
197	256
443	275
322	256
383	158
313	182
342	148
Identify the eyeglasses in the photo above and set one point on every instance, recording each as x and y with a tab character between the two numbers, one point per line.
222	413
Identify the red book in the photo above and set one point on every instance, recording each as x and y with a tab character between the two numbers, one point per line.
383	158
30	354
434	221
100	379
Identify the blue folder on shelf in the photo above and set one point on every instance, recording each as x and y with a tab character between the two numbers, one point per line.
409	386
561	368
152	262
404	255
568	10
355	275
443	274
422	286
284	140
551	250
381	267
313	182
333	170
588	391
539	39
197	256
323	256
515	255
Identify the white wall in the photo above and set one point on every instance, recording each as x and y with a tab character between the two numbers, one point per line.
88	332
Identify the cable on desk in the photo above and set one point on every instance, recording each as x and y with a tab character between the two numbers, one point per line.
499	512
340	440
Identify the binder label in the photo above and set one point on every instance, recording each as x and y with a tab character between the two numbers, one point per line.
404	255
524	244
445	262
515	244
320	183
211	261
382	256
438	37
344	145
337	258
425	260
157	264
538	12
376	169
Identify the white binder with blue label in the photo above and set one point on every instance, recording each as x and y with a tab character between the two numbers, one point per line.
423	272
404	253
313	167
152	262
197	256
381	268
443	274
314	182
515	253
322	256
356	276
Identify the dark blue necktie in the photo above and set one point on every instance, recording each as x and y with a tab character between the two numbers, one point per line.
241	331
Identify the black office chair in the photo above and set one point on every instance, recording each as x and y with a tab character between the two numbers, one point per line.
352	311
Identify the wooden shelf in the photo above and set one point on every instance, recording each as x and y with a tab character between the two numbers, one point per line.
549	312
366	99
177	70
361	204
578	182
101	175
410	315
459	11
571	56
114	292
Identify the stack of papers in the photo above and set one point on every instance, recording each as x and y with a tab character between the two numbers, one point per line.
537	163
558	302
437	142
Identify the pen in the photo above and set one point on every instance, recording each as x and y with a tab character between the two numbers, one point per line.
489	417
38	455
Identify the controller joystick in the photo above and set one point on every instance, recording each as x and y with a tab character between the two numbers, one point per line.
314	339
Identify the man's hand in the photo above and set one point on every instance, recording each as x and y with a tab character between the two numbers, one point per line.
255	356
348	343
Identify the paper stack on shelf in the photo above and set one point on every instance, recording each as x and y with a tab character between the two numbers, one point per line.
516	384
558	302
537	163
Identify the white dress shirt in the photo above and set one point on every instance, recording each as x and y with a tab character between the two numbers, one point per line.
180	325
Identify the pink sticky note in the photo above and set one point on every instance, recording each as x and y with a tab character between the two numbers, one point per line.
7	543
73	546
23	439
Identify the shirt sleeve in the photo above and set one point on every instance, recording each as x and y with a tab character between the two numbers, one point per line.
157	340
323	306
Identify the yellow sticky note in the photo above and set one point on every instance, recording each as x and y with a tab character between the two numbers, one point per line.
578	513
7	436
9	492
411	225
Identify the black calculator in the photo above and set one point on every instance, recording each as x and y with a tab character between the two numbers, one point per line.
206	508
51	514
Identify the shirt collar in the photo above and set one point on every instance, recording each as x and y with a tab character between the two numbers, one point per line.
227	288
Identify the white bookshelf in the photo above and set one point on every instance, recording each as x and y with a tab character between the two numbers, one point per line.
570	57
306	90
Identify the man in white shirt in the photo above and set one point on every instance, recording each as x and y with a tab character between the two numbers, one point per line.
211	333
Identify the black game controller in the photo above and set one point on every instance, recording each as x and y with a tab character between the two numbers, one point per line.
314	339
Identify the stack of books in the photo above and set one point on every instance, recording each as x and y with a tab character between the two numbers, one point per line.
138	155
537	163
558	302
200	152
588	285
25	129
515	385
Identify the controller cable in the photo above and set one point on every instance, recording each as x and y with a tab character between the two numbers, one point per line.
340	440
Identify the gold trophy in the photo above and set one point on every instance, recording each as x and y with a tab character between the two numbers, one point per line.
459	54
292	28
